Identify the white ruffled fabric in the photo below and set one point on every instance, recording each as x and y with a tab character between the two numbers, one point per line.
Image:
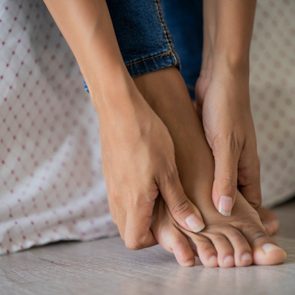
51	184
273	97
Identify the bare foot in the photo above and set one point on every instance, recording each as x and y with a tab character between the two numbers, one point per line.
237	240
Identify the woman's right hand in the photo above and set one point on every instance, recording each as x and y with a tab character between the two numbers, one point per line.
139	165
138	153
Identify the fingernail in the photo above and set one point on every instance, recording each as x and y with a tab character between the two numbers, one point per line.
225	205
270	247
194	223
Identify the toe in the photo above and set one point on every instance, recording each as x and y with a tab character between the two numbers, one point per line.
172	240
242	249
224	249
265	250
182	250
205	250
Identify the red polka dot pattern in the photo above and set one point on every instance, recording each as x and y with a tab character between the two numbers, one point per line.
273	96
51	185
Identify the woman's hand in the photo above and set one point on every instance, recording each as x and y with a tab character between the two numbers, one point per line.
223	98
224	102
138	154
139	165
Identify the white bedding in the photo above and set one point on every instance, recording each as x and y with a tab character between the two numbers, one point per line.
51	185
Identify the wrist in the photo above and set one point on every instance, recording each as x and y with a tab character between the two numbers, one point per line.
117	99
224	64
230	63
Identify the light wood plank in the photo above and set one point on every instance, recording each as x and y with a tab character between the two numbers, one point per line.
106	267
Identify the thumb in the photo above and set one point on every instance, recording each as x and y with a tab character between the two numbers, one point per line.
225	179
183	211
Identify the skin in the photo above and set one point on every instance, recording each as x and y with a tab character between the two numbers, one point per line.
152	170
237	240
224	101
137	166
222	92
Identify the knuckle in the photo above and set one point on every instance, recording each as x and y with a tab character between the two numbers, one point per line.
249	177
170	176
132	243
137	241
256	202
228	184
249	169
180	208
230	142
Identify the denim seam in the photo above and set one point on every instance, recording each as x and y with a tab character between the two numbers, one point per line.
149	57
166	32
169	52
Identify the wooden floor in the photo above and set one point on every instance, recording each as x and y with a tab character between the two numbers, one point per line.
106	267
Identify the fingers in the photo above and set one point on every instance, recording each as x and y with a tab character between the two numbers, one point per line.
139	241
137	233
226	155
249	176
181	208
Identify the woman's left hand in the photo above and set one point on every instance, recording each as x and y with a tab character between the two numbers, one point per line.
224	105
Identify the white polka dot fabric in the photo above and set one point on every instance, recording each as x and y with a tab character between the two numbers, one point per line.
273	96
51	185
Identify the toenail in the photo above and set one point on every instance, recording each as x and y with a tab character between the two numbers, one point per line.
228	260
212	261
190	262
225	205
268	247
246	257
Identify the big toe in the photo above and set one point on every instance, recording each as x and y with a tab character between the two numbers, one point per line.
268	253
265	250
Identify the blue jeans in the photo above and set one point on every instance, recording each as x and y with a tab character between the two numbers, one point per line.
153	35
